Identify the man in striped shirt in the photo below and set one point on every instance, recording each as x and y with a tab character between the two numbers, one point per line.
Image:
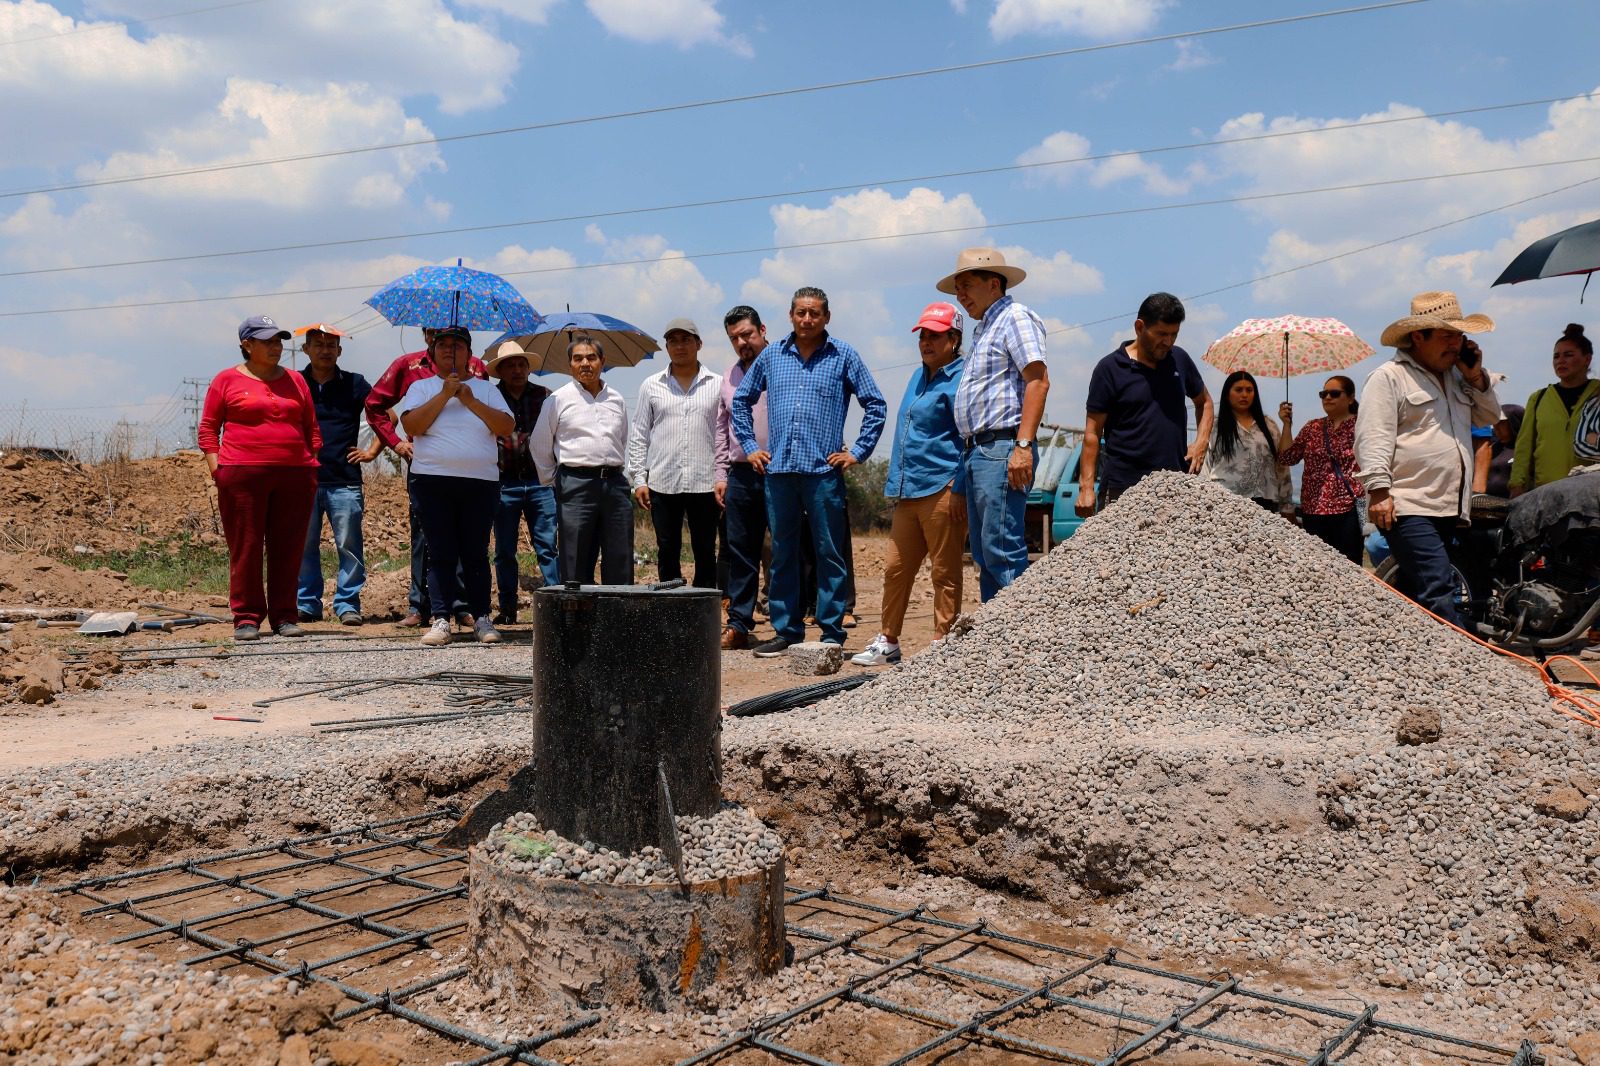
998	408
672	455
808	378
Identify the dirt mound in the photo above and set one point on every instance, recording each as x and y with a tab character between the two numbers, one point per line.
30	579
67	997
1189	711
59	506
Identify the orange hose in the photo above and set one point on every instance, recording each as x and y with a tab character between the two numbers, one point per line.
1575	705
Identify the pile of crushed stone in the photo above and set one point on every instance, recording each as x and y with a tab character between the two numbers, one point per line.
1187	721
729	843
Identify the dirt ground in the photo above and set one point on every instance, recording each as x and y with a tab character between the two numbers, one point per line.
96	707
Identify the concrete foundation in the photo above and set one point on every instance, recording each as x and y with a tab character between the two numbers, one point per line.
560	944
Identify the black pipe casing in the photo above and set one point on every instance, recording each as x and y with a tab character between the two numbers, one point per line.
626	678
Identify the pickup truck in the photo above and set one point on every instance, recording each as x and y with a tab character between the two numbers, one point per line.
1052	517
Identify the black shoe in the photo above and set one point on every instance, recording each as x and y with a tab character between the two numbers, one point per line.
307	616
351	618
506	618
289	629
773	648
246	632
465	620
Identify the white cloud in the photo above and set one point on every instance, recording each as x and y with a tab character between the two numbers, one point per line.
684	23
258	120
1192	55
536	12
1405	149
1059	275
1090	18
1065	144
860	265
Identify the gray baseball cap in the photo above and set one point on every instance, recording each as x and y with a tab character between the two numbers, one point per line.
685	324
261	328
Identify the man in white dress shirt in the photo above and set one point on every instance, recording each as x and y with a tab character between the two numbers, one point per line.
672	455
579	446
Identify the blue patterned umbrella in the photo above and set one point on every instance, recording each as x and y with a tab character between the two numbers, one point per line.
546	343
436	297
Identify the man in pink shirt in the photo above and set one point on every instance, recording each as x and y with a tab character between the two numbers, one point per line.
741	489
386	392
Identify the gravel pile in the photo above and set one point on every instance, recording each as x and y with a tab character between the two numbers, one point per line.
1183	723
730	843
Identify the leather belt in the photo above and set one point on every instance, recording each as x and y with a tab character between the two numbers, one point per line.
989	436
590	471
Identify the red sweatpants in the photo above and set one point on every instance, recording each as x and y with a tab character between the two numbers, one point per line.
265	511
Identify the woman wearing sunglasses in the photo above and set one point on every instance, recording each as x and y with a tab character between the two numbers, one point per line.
1328	489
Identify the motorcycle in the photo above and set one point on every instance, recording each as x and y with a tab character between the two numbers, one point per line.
1527	570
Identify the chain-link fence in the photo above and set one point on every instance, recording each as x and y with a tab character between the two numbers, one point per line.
98	434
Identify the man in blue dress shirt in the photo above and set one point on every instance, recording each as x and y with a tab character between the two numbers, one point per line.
808	378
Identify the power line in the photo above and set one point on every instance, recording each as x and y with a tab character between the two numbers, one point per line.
665	109
818	190
798	246
103	26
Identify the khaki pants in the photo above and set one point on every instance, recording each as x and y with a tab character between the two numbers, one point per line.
933	527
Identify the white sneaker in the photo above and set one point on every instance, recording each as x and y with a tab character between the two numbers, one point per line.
487	633
438	633
881	652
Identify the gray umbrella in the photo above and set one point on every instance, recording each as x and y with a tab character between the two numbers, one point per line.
1572	251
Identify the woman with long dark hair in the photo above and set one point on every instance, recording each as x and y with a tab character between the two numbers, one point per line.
1328	489
1243	456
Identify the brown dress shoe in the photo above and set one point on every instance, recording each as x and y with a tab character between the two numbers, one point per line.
411	621
733	640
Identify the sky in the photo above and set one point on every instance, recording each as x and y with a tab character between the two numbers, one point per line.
644	190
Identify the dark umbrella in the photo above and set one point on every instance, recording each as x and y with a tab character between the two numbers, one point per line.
1572	251
546	344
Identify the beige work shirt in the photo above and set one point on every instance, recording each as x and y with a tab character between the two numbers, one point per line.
1414	437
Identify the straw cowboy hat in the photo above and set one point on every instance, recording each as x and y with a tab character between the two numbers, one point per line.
1434	310
988	259
503	351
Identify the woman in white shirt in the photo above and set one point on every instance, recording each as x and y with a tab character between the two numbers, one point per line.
1243	456
453	423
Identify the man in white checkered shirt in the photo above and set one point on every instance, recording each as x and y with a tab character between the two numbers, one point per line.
998	407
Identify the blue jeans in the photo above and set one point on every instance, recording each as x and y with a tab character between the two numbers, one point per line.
343	504
996	513
745	510
795	501
536	503
1420	547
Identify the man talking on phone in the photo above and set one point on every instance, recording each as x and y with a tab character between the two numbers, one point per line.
1414	440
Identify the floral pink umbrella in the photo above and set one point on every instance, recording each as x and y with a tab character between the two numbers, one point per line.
1286	346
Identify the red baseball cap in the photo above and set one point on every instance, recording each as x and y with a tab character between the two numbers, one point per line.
939	317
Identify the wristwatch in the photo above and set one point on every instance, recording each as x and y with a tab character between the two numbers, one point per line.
1023	442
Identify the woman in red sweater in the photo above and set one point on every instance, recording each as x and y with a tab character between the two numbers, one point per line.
259	433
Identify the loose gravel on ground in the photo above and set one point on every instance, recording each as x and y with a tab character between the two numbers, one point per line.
1186	716
729	843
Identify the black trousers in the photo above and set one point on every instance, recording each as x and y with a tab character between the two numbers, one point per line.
457	514
1341	532
595	516
746	516
667	513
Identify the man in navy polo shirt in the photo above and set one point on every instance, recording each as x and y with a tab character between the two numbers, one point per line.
338	396
1136	408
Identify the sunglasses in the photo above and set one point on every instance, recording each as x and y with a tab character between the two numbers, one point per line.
1329	394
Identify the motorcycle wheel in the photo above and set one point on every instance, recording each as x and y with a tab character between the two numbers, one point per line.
1389	573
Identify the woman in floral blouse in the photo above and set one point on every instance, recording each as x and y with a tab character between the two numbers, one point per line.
1243	456
1328	489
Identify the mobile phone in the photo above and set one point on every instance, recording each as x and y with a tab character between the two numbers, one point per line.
1470	353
